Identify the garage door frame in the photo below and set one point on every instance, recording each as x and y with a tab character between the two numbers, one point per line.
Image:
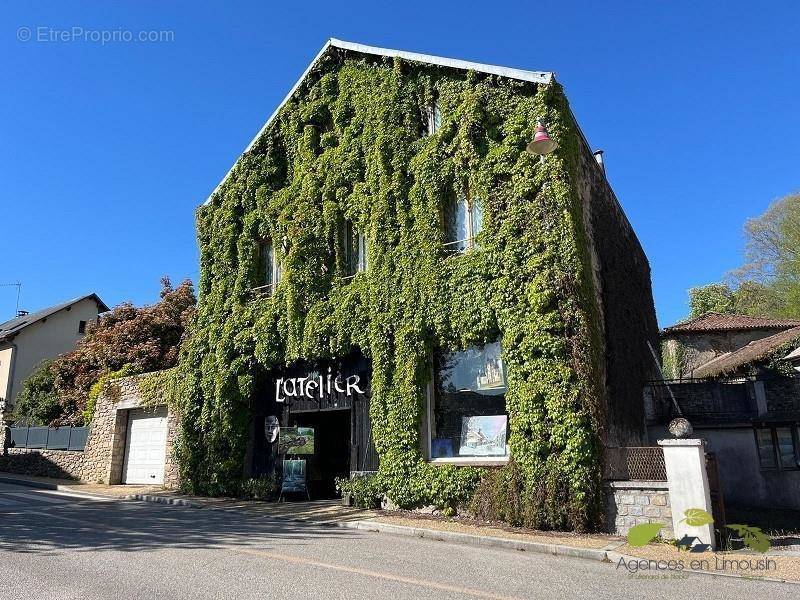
131	417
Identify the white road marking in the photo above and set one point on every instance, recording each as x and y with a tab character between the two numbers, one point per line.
77	496
36	496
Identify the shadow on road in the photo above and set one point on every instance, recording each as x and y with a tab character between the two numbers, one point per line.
132	527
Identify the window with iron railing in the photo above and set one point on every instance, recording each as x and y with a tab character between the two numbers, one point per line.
434	118
463	222
269	270
355	251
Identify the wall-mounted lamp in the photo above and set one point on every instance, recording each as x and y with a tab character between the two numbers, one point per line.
542	143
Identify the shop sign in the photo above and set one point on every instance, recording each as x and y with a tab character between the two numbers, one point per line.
315	386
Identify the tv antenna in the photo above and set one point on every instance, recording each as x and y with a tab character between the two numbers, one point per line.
18	285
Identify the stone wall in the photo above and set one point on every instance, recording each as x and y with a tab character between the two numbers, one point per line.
61	464
103	458
630	503
621	277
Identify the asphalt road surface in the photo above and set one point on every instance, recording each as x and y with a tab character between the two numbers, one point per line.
60	546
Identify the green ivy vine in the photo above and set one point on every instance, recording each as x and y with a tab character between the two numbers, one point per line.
351	145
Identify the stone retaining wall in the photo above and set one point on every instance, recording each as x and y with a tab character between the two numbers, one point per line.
61	464
630	503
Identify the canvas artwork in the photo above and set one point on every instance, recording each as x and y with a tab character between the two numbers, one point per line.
483	436
491	375
294	476
296	440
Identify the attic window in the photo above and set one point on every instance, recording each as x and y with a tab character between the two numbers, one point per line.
434	118
81	326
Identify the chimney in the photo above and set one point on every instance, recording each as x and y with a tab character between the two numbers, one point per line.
22	313
598	156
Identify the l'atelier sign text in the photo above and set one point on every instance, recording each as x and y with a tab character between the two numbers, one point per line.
316	387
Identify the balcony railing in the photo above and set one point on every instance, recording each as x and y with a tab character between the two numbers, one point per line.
703	401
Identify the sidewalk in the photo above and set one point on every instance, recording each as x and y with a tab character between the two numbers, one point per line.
601	547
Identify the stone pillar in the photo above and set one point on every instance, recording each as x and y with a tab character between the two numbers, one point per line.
685	460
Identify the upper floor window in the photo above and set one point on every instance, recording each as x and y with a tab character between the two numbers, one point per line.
355	250
467	411
81	326
463	222
434	118
269	269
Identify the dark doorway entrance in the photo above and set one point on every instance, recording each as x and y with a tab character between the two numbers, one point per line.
331	458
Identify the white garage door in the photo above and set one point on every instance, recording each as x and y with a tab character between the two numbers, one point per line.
146	446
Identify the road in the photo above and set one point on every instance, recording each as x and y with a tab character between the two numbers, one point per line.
57	546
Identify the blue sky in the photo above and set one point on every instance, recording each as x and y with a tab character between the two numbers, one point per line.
106	149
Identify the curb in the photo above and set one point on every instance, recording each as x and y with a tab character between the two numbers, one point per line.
163	500
476	540
42	485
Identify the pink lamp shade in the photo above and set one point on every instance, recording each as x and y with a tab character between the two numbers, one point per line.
542	143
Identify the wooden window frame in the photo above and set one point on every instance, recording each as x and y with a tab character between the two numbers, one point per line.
776	455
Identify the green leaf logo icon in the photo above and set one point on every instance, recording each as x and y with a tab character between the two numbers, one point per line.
696	517
643	534
753	537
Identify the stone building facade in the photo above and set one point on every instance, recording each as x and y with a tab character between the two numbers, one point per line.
103	457
692	344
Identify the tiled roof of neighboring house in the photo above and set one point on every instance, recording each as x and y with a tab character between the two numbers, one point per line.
755	350
14	326
712	321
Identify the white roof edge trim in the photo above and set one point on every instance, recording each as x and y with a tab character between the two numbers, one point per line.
543	77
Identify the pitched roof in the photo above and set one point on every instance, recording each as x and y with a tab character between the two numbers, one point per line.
544	77
712	321
13	326
755	350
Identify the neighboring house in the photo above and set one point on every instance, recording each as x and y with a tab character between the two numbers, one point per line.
691	344
746	403
761	356
400	266
30	338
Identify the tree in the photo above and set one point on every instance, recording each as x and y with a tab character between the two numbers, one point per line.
768	284
771	275
127	339
714	297
37	401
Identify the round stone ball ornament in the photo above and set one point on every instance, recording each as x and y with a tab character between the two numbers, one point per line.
680	428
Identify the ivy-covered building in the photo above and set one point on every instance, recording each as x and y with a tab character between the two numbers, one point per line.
387	264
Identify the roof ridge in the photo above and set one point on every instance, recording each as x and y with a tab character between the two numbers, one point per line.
544	77
745	322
